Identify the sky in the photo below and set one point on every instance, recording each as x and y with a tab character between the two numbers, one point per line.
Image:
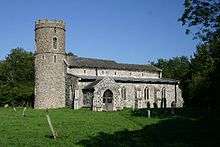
127	31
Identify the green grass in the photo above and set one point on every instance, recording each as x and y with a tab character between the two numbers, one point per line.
86	128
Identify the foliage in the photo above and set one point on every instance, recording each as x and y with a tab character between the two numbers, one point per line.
178	68
17	77
203	14
205	80
86	128
175	68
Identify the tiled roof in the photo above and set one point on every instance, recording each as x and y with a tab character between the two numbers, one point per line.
80	62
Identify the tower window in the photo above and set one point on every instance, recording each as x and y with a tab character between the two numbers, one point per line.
55	59
84	71
55	43
115	73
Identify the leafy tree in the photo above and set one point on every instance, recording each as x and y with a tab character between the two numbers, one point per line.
203	16
17	77
178	68
175	68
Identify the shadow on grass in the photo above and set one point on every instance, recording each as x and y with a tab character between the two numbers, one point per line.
175	131
169	112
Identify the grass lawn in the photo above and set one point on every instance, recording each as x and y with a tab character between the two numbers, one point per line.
86	128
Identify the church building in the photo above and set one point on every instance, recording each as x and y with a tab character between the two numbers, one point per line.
66	80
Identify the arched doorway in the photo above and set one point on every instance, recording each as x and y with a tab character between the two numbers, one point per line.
108	100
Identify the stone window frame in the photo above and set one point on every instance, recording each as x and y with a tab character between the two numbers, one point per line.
138	93
55	42
54	58
163	93
146	93
55	30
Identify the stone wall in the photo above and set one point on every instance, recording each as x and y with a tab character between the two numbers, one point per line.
155	95
112	73
49	64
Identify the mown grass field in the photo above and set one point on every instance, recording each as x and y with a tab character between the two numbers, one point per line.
86	128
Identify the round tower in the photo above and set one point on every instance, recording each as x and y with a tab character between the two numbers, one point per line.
49	64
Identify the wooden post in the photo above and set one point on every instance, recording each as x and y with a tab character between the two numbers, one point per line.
23	113
148	113
50	124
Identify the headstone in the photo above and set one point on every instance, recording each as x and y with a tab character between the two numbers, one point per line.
6	105
148	113
23	113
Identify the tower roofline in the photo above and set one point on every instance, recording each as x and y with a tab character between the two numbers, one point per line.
53	23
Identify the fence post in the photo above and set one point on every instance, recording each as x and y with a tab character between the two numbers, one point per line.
50	124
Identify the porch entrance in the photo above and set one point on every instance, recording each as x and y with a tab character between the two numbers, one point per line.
108	100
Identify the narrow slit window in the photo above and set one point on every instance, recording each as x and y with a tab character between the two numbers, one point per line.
55	43
55	59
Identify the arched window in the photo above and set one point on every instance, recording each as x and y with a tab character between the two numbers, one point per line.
146	93
55	43
135	93
163	98
163	92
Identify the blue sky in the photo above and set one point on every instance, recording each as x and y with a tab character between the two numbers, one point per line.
129	31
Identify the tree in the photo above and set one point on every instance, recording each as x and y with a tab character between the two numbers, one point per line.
17	77
175	68
204	15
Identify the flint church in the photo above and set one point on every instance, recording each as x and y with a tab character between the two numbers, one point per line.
66	80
